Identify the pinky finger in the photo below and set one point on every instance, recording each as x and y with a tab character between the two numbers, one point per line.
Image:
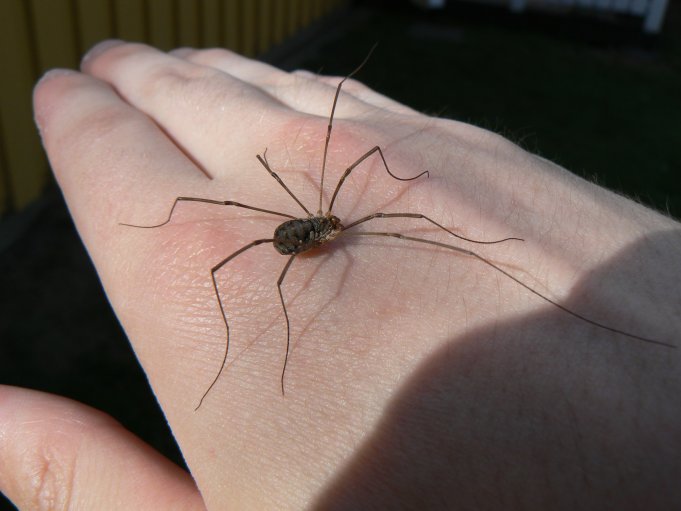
59	454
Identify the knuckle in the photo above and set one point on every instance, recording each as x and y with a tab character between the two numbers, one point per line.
56	463
89	136
107	52
304	73
214	56
174	80
51	479
355	85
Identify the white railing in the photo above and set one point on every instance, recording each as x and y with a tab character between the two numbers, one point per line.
652	11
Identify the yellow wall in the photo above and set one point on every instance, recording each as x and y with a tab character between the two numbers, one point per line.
36	35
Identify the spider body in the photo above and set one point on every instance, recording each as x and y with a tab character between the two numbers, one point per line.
301	234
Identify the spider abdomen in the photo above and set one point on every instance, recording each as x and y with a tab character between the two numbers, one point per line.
302	234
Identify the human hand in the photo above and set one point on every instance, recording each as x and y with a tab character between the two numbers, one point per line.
416	376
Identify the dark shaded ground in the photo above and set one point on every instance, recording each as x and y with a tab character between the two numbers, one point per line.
598	99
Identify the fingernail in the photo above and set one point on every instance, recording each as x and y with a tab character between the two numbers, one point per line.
55	73
42	108
100	48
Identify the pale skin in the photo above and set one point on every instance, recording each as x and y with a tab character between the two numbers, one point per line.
418	378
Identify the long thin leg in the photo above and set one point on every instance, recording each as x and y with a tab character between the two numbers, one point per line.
424	217
263	159
222	308
497	268
209	201
360	160
288	324
328	129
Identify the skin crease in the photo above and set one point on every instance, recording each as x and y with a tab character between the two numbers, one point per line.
419	378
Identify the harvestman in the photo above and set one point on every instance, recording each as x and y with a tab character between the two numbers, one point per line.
298	235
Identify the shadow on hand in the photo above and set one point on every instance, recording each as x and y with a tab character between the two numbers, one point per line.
543	412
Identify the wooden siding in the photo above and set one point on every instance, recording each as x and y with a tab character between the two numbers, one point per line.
36	35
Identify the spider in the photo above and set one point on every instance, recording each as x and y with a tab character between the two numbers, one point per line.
297	235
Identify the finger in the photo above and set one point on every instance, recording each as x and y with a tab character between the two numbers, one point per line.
59	454
248	70
114	165
302	91
100	145
211	114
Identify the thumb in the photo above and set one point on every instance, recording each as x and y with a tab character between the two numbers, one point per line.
59	454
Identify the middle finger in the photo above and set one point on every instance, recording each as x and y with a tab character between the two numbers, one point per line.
210	114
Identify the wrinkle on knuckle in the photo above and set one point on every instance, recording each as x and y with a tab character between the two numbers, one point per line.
58	462
51	477
94	133
179	82
49	444
53	487
353	85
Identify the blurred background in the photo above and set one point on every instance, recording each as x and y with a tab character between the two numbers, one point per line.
594	85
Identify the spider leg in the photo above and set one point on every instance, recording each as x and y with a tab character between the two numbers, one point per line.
516	280
209	201
288	324
213	270
328	129
423	217
360	160
263	159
